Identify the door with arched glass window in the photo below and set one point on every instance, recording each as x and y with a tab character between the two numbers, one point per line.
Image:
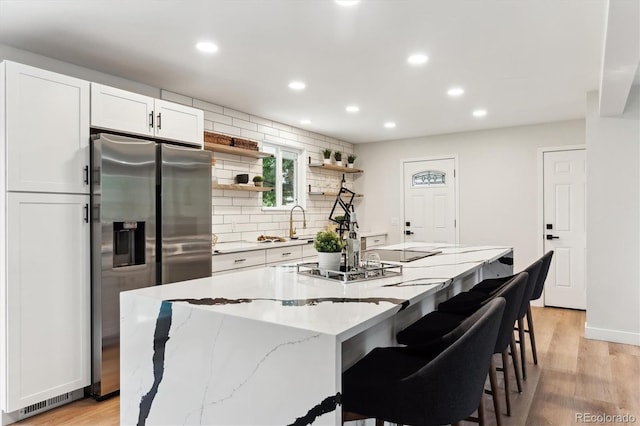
430	201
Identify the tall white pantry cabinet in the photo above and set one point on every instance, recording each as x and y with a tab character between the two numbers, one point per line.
44	241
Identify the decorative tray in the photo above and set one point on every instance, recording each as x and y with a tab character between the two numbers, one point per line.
364	273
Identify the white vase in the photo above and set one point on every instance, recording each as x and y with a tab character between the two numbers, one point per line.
326	160
350	165
329	261
339	163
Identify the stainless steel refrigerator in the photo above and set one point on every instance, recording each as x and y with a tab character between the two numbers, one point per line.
151	224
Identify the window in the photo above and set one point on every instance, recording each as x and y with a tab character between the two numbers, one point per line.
429	178
283	172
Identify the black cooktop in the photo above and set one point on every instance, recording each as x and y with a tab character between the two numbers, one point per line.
403	255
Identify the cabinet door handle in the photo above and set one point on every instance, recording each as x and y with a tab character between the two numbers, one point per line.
376	241
151	120
286	254
86	213
86	175
159	120
239	260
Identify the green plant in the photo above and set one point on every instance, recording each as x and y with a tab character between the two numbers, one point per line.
339	218
257	179
351	158
328	242
326	153
337	155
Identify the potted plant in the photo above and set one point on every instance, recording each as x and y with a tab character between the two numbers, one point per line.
329	246
326	153
257	180
350	159
338	157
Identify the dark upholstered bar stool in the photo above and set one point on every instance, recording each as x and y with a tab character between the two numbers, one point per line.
435	325
537	293
421	385
537	275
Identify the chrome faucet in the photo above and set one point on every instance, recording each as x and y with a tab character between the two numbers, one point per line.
292	231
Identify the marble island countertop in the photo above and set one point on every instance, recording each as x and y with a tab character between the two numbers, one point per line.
278	294
212	350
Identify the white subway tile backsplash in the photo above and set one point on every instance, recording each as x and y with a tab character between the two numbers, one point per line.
268	130
207	106
236	114
226	129
250	134
244	124
218	118
262	121
175	97
238	215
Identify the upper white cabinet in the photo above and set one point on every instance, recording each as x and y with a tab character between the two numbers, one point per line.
46	132
116	109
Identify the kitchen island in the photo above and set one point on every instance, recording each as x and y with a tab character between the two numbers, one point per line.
269	345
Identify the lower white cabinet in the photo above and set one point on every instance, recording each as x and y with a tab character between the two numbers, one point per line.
284	254
232	261
46	294
371	241
308	251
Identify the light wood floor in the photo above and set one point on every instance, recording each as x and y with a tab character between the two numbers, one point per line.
574	375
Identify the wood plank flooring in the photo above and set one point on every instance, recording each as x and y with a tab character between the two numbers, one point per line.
574	375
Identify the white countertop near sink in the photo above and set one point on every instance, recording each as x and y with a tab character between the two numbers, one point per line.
239	246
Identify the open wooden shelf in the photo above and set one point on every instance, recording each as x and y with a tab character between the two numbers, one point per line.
332	194
236	151
335	168
238	187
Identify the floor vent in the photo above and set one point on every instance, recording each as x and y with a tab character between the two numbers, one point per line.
45	405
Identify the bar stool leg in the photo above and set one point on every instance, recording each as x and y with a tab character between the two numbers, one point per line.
505	373
532	335
514	358
494	392
523	355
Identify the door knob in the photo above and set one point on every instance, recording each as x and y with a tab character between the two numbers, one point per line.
408	232
552	237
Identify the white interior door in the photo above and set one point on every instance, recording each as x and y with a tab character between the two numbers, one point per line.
565	228
430	201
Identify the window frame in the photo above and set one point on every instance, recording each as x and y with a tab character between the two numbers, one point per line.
301	183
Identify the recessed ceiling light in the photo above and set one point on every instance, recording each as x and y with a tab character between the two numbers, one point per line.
417	59
353	108
390	125
206	47
305	121
347	2
455	91
480	113
297	85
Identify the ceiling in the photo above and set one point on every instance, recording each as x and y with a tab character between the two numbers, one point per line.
525	61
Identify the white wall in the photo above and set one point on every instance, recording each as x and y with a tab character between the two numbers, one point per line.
498	181
613	222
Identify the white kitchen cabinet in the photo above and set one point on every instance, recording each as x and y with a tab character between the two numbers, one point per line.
237	260
123	111
284	254
371	241
46	132
308	251
45	292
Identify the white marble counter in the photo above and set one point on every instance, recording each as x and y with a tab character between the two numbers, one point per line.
240	246
267	346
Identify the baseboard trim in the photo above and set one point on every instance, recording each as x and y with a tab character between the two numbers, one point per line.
615	336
